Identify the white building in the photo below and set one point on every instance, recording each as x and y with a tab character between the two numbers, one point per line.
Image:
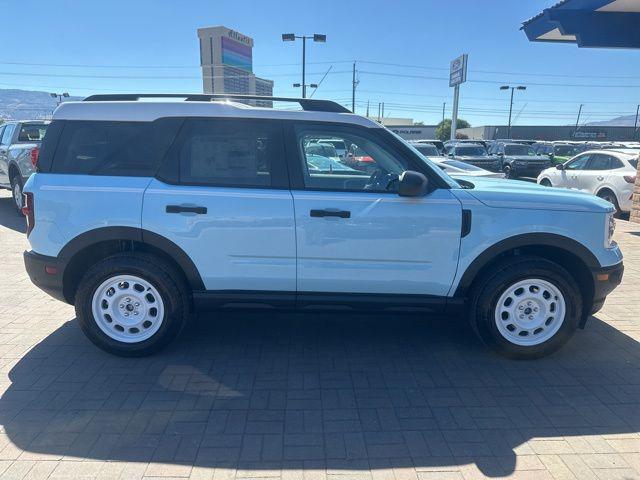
226	59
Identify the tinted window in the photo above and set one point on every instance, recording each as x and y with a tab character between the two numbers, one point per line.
599	162
634	163
520	150
32	132
462	166
227	152
471	150
367	165
113	148
427	150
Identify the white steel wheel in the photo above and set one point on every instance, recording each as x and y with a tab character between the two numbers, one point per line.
127	308
530	312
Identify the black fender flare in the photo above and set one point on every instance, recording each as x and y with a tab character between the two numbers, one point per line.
520	241
140	235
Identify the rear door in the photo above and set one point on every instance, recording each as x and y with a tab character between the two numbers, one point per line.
355	234
595	172
222	195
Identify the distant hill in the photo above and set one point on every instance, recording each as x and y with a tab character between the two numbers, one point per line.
624	121
27	104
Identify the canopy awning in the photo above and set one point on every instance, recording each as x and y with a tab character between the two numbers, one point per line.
588	23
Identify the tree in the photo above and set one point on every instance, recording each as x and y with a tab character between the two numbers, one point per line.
443	130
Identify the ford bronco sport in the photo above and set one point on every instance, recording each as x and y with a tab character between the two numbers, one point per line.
144	211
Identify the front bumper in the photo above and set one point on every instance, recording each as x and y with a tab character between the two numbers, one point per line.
46	273
605	280
528	171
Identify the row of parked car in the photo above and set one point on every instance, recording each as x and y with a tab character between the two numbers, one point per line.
514	158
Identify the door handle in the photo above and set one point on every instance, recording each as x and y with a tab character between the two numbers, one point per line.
186	209
600	178
330	213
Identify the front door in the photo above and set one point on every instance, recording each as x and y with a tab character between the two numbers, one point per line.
226	203
5	143
354	233
573	170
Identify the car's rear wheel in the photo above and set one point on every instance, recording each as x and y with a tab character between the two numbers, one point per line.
610	197
526	308
131	305
16	190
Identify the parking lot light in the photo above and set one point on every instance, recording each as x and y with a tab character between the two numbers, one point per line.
316	37
509	87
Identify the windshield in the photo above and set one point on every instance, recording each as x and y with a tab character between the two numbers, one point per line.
427	150
32	132
471	151
565	150
462	166
521	150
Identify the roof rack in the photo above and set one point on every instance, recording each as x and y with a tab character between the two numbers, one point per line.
307	104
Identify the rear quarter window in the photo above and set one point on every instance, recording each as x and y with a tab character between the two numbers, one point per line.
113	148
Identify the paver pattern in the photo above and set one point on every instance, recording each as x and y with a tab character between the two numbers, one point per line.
292	396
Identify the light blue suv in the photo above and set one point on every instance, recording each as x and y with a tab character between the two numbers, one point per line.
143	212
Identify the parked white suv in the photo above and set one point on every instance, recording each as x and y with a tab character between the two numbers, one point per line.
609	174
144	211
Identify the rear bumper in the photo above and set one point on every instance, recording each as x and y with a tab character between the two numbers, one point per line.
605	280
46	273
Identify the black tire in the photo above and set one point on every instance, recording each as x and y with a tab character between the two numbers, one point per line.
546	182
167	282
610	197
508	172
488	289
16	183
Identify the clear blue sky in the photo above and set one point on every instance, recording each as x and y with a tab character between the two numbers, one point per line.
120	35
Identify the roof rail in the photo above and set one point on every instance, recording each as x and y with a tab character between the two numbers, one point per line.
307	104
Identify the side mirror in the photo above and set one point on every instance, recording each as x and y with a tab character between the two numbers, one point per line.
412	184
560	166
551	155
451	155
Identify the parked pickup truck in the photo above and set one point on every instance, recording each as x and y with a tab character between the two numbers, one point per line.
19	149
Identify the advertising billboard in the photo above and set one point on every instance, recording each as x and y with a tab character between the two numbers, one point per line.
236	54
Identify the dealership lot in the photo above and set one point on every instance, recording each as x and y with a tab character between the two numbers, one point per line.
247	395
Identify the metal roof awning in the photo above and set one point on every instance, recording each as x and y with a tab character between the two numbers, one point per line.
588	23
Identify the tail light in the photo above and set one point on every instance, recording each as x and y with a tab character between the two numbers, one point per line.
35	153
28	211
630	178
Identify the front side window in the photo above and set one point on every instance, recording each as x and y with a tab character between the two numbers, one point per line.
578	163
224	152
366	165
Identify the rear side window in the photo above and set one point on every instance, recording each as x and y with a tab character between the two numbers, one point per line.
113	148
32	132
232	153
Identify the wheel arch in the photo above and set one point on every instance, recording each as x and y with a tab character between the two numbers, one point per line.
577	259
607	188
91	246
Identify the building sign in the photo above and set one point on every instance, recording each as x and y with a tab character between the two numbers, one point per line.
239	37
458	71
235	53
590	135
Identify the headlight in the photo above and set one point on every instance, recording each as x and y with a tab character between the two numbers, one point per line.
610	230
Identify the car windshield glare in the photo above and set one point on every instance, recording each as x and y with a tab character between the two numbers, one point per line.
520	150
471	151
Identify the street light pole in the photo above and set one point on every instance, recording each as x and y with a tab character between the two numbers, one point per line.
577	121
316	37
508	87
635	124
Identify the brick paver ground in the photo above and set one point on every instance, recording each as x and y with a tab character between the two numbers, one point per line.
313	396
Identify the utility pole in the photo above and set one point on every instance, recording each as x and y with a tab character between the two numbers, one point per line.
367	109
383	113
635	125
577	121
353	89
507	87
379	105
444	104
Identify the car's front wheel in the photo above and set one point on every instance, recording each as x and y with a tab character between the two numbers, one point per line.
131	304
527	307
508	171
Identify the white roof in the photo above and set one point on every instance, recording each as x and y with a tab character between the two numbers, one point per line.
145	111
